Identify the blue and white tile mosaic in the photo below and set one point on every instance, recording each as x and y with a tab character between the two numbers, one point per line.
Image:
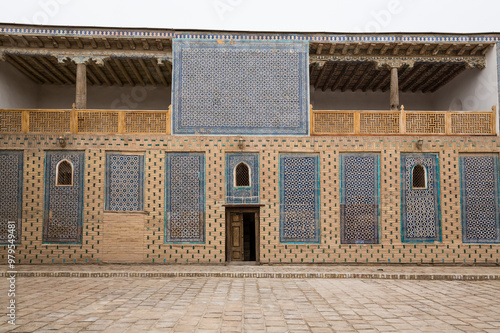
420	215
359	198
479	197
247	194
63	207
124	182
185	198
299	198
11	189
240	87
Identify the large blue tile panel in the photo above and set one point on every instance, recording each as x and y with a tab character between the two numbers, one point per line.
124	182
240	87
420	214
299	198
11	188
242	195
63	213
359	198
479	198
185	198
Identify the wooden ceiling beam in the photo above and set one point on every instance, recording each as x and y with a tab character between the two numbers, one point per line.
119	44
339	78
332	48
409	76
351	77
145	44
462	49
423	49
54	42
475	49
319	49
373	81
437	49
46	70
427	78
345	49
357	48
53	69
320	74
92	76
136	72
23	70
158	71
146	70
330	76
370	48
100	72
124	71
131	44
159	44
410	49
93	43
447	79
384	48
12	41
113	73
24	40
38	41
363	76
485	50
450	49
66	42
425	87
395	50
79	42
413	86
382	81
30	68
106	42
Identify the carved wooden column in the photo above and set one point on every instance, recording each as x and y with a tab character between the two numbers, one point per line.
394	88
81	86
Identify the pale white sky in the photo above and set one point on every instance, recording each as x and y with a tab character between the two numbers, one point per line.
453	16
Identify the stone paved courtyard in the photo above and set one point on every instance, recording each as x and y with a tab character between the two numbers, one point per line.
211	304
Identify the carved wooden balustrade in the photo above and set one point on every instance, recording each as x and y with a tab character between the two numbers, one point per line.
85	121
403	122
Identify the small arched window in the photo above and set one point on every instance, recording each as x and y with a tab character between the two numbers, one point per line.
242	175
419	177
64	173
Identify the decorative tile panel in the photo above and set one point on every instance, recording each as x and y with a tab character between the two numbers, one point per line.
299	198
359	198
185	198
11	188
124	182
240	87
62	220
479	198
242	195
420	215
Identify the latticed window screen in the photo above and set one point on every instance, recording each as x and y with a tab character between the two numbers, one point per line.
419	176
242	175
64	173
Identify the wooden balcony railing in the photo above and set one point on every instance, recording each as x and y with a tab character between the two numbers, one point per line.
85	121
403	122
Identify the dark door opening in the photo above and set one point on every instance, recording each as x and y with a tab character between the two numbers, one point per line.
242	230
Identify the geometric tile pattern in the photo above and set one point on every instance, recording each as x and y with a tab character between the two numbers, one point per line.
124	182
63	207
479	197
359	198
247	194
11	188
299	198
185	198
240	87
420	206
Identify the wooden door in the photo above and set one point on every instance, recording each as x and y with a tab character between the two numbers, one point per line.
236	223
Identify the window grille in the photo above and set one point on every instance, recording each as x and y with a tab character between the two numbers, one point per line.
64	174
242	175
419	177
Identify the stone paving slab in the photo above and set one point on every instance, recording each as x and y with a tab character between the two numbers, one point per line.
211	304
405	272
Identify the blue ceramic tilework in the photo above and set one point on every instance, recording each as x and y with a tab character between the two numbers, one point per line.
185	198
11	187
63	213
124	182
498	70
359	198
420	216
240	87
299	198
242	195
479	198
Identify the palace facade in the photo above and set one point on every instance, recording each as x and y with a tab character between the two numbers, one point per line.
161	146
